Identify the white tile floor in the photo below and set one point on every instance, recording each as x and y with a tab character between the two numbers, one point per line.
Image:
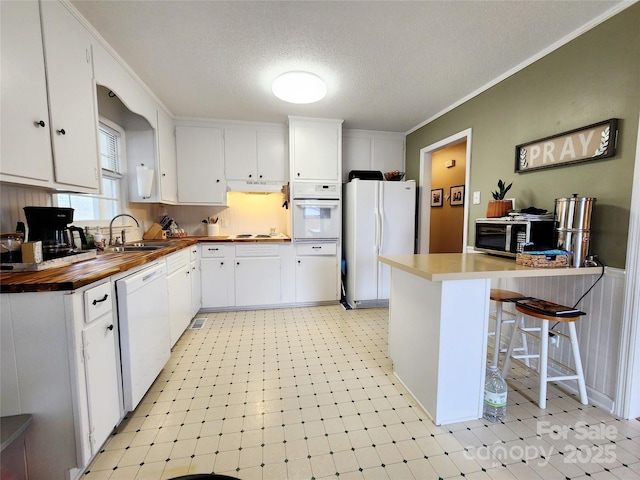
309	393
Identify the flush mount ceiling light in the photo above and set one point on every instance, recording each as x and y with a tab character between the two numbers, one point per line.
299	87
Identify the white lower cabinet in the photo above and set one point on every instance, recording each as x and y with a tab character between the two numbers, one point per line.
217	275
196	281
317	272
99	341
178	276
257	281
257	274
61	362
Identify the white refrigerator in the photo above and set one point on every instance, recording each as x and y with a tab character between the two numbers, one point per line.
379	219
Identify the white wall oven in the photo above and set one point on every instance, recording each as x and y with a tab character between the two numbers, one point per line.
317	213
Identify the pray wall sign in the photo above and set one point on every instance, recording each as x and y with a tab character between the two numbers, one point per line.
592	142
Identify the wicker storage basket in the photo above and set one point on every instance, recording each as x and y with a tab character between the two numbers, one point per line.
544	259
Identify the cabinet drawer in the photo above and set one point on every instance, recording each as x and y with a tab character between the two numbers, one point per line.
257	250
177	260
193	253
316	248
97	301
213	250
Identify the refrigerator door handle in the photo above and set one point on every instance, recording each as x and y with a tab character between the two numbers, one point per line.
376	202
381	237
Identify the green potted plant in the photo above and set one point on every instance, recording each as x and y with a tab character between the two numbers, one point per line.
499	207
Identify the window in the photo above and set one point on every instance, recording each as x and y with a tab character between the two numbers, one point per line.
94	208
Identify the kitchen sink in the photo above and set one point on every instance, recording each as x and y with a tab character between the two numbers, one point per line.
151	244
134	248
140	247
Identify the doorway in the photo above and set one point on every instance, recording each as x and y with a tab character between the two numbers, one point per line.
437	154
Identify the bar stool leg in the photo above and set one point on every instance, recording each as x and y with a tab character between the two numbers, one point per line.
578	362
512	343
525	347
542	363
496	345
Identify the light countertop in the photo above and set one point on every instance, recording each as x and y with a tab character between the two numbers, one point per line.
466	266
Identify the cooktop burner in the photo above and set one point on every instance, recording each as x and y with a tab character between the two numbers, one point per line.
251	235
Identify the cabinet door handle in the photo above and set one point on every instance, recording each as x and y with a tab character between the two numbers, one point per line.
110	327
218	180
95	302
61	131
260	176
40	123
221	263
250	175
164	174
237	263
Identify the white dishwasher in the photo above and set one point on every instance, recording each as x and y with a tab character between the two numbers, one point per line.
143	315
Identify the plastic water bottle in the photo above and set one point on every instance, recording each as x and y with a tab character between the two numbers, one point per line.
495	396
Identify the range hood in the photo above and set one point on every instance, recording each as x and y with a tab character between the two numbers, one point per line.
254	186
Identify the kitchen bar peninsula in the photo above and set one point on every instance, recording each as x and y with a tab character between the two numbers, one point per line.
438	321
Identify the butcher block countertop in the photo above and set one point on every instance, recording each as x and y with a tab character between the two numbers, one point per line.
106	264
467	266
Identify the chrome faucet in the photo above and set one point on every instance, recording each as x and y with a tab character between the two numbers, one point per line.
111	226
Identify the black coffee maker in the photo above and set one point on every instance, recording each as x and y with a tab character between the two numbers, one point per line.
51	226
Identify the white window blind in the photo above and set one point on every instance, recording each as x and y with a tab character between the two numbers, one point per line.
109	149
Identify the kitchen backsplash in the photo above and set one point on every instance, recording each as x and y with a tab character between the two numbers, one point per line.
13	198
244	213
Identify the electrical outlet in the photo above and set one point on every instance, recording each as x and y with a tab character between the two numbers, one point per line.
476	198
554	340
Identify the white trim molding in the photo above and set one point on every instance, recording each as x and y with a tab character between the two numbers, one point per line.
628	391
424	187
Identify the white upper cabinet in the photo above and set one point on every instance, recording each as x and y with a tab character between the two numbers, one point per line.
26	143
200	164
29	125
72	102
240	154
255	154
372	150
315	149
272	155
167	172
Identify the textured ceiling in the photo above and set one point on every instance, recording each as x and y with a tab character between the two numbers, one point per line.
388	65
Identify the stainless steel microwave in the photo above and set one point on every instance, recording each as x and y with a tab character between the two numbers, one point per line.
506	237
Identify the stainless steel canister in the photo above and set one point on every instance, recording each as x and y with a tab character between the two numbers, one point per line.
573	217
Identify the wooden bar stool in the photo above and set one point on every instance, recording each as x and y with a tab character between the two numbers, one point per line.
500	296
544	350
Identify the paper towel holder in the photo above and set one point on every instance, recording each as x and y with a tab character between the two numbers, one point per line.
145	180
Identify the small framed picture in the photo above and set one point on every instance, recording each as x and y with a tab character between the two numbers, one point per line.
436	197
457	195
